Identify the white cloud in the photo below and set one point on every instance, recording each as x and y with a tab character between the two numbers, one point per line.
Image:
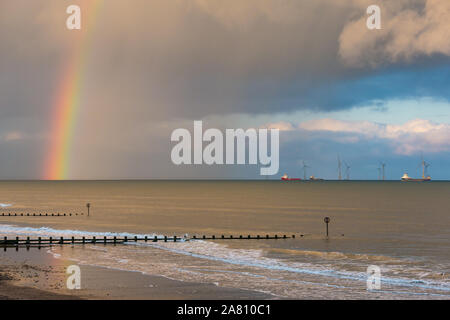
408	138
282	126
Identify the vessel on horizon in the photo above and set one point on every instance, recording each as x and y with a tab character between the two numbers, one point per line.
287	178
405	177
425	177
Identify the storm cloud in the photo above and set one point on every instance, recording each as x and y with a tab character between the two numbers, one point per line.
155	65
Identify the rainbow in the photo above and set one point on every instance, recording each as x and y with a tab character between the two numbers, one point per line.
68	96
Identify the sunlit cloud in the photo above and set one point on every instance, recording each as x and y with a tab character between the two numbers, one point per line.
405	139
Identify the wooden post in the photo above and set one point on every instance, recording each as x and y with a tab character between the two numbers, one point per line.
93	240
50	240
125	239
73	240
104	239
165	238
174	238
88	206
83	240
327	221
115	239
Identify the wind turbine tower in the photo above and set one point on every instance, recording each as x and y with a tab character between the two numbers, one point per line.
425	166
339	168
347	170
383	165
304	169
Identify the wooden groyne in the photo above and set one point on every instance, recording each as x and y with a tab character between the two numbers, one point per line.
49	241
15	214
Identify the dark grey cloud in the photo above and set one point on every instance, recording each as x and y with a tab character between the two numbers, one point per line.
152	65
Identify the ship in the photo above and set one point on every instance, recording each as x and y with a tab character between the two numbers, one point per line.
408	178
287	178
312	178
425	177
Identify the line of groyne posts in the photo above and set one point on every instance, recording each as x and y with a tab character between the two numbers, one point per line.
49	241
39	214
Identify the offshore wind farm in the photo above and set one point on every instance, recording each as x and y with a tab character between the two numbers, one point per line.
343	172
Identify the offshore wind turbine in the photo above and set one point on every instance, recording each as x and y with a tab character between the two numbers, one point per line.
425	166
347	170
304	169
339	168
383	165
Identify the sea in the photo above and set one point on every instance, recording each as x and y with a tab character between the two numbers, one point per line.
387	239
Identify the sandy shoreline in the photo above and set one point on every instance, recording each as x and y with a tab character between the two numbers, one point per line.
37	275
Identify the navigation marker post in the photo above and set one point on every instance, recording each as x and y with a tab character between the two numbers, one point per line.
327	221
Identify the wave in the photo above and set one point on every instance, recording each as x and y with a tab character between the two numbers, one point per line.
333	255
247	258
254	261
5	205
50	232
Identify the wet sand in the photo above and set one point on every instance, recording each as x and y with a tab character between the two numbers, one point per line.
37	275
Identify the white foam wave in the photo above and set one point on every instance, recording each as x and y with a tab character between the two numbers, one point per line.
247	258
50	232
254	258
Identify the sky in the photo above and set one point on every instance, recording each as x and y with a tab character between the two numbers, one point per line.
311	69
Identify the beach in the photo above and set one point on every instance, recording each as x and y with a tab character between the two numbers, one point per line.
36	275
381	224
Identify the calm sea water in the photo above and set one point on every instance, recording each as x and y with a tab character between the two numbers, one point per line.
403	228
